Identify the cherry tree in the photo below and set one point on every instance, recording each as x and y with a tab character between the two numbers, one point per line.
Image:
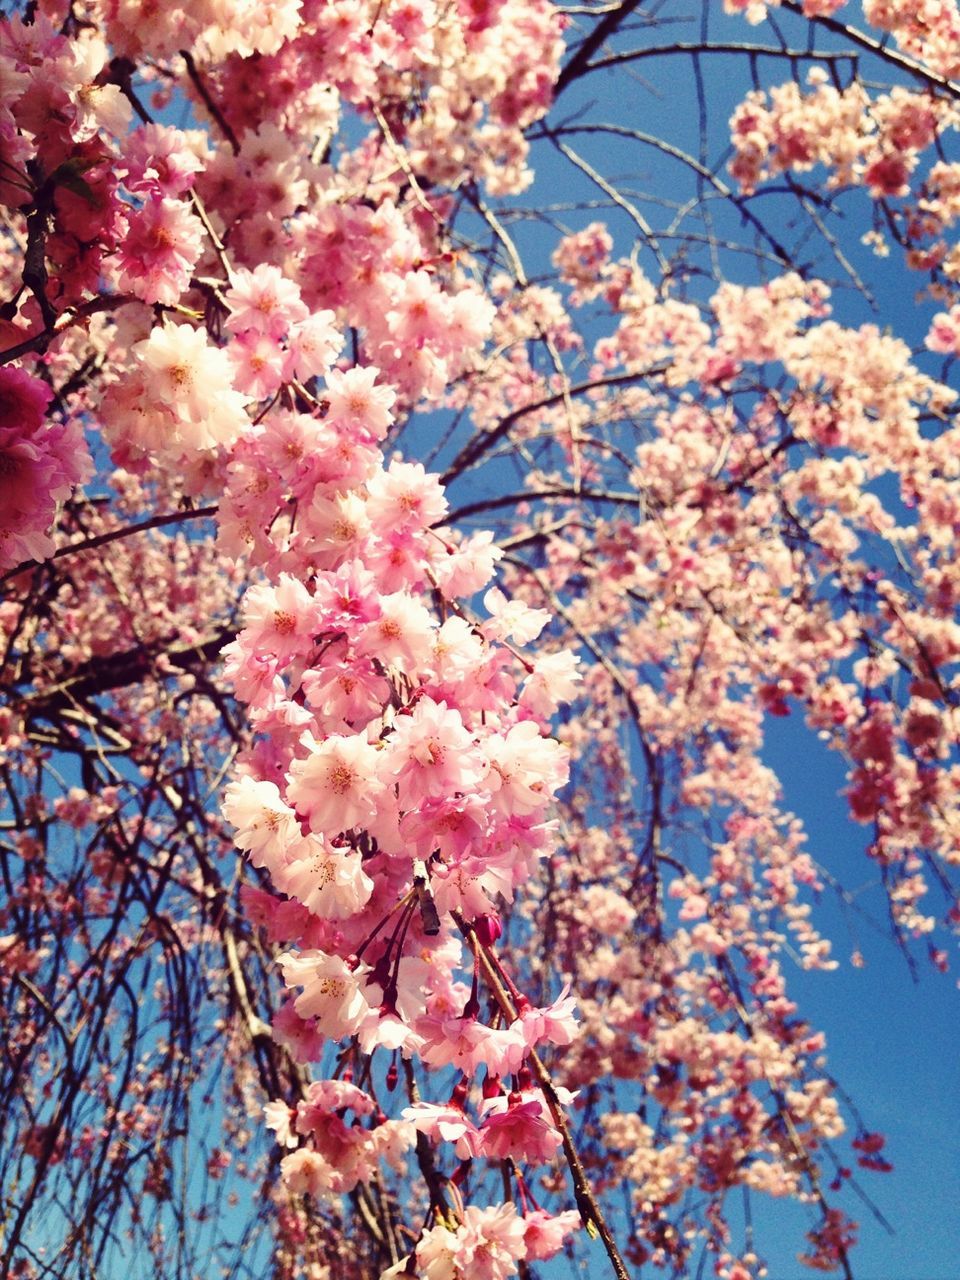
421	489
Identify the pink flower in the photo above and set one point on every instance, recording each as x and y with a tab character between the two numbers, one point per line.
435	1255
193	379
280	1118
490	1242
526	768
512	618
280	620
351	693
468	567
405	497
266	826
332	992
555	1023
402	636
554	680
158	253
39	465
520	1127
468	1044
355	398
470	885
431	754
451	825
545	1233
330	883
445	1124
296	1034
258	364
420	310
347	597
23	400
159	158
263	301
336	786
306	1172
312	346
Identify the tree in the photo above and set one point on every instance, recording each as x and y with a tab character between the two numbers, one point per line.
447	542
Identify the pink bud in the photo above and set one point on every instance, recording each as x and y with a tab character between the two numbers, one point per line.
488	929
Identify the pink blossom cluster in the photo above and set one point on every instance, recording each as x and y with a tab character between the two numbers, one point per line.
483	69
928	30
756	10
488	1244
117	199
400	785
874	142
40	462
339	1155
400	746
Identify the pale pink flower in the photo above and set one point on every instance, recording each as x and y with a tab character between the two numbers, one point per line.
490	1242
324	1096
193	379
555	1023
312	346
446	1124
161	246
470	320
336	526
405	497
328	882
430	754
349	1152
336	786
467	567
397	560
545	1233
266	827
264	301
470	886
526	768
512	619
96	105
254	676
402	636
280	1119
332	992
554	680
391	1140
306	1172
355	397
435	1255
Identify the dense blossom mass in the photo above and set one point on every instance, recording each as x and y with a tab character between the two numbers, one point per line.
457	593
